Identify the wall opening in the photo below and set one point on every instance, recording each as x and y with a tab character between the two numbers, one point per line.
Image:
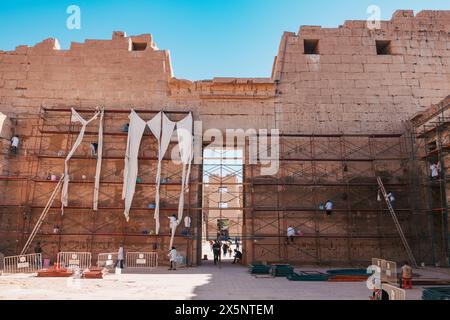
311	46
222	216
383	47
139	46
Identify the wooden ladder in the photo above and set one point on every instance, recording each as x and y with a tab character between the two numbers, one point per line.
397	224
42	216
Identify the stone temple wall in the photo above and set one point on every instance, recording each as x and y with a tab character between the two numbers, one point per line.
339	85
348	87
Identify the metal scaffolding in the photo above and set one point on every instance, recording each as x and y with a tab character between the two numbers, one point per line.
222	192
431	144
340	168
312	169
81	228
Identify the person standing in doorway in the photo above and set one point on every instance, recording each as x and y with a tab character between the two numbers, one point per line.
216	252
225	249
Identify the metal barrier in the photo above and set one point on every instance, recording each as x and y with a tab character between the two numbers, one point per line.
27	263
377	262
72	260
394	292
389	271
2	260
107	260
141	260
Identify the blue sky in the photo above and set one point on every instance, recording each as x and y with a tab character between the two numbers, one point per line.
207	38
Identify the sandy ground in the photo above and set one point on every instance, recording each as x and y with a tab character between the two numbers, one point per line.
207	282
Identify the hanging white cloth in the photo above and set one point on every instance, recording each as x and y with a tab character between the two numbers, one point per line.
65	189
3	126
155	127
135	132
162	128
185	143
167	129
99	161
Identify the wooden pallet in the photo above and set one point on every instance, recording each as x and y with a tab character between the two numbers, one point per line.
93	275
348	278
54	273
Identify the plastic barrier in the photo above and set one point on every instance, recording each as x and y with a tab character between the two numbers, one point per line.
436	293
27	263
259	269
72	260
281	270
308	276
348	272
141	260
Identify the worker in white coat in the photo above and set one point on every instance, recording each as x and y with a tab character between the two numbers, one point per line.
391	197
291	234
173	223
434	171
120	257
329	207
173	258
14	144
187	224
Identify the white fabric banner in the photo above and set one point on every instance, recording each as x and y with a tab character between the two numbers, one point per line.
135	132
3	134
98	169
167	129
162	128
185	143
155	127
75	117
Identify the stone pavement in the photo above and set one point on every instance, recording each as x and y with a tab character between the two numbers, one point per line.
207	282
